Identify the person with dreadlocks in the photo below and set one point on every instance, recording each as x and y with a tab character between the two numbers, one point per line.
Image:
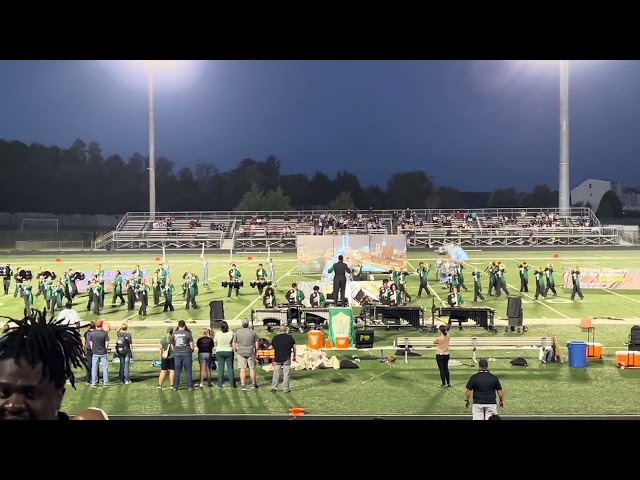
37	357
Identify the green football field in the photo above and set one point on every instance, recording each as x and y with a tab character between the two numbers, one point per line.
374	388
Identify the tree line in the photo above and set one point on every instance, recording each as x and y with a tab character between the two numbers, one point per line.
80	180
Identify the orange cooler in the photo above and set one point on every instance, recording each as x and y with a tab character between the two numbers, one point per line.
314	340
628	359
594	351
343	342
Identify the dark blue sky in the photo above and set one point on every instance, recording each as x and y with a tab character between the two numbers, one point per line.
474	125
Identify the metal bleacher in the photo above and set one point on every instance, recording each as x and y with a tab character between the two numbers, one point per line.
424	229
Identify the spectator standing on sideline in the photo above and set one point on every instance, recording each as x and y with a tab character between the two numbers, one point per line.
87	349
284	346
205	352
99	350
442	356
167	363
245	345
484	386
182	345
223	341
124	351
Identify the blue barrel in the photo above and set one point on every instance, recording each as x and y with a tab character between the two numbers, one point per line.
577	354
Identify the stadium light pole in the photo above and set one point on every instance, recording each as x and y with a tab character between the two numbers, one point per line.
564	187
152	145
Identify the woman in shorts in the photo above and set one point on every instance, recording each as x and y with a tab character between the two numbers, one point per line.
205	352
166	359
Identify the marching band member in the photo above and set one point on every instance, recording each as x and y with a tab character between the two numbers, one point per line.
156	286
192	290
395	296
41	281
117	289
142	291
491	270
454	299
72	283
90	285
501	281
131	293
551	283
317	299
27	294
540	283
18	278
137	275
402	284
67	288
423	274
524	276
477	286
384	294
167	290
163	273
459	268
452	281
234	280
261	278
97	291
99	273
6	281
295	298
575	279
57	291
49	297
269	298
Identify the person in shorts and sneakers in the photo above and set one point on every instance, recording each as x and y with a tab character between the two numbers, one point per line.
245	344
484	386
167	363
284	346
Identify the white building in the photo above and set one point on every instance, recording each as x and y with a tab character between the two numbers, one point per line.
591	191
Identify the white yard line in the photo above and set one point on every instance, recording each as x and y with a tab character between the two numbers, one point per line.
260	296
541	302
620	295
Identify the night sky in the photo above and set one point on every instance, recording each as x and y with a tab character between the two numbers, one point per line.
473	125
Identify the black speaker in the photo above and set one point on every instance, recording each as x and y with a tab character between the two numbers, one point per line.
364	338
514	307
216	310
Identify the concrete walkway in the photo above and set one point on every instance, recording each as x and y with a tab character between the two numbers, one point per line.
498	322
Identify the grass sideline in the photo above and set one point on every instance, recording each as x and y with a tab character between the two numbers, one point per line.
374	388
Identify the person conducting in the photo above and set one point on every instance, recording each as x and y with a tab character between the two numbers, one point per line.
339	270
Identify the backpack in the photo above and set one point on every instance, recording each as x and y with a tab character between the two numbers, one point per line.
122	345
519	362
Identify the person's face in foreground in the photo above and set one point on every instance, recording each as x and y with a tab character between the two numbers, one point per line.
24	395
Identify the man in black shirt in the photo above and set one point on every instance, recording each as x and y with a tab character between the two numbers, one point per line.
339	270
284	346
484	386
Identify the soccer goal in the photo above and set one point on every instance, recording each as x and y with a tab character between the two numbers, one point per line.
39	225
